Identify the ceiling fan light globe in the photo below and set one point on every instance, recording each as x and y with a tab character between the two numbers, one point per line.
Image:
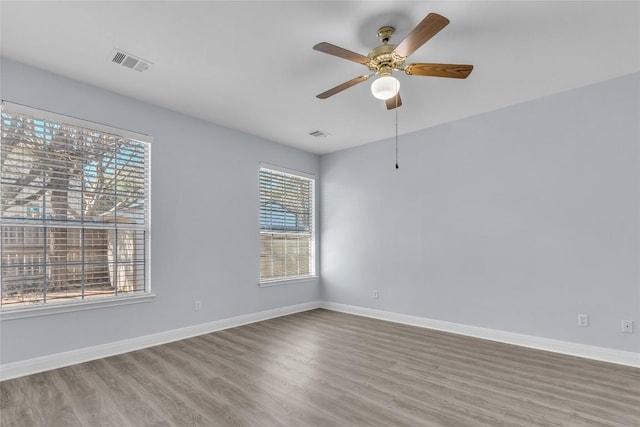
385	87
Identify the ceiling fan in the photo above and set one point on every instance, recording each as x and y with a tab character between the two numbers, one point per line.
386	58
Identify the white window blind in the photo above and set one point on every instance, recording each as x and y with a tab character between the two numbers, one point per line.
286	225
74	209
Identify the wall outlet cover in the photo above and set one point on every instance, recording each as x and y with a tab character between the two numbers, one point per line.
583	320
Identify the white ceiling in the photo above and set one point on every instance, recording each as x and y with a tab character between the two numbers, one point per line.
250	65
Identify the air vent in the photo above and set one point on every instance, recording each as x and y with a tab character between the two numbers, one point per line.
318	134
129	61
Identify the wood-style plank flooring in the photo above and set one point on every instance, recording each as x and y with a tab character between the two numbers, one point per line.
323	368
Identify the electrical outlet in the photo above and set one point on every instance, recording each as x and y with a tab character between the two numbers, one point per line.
583	320
198	305
627	326
375	294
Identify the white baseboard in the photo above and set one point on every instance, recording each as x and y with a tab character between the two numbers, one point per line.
619	357
60	360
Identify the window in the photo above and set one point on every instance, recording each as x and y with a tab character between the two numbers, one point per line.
287	238
74	209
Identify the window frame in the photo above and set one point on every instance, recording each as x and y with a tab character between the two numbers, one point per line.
91	302
313	262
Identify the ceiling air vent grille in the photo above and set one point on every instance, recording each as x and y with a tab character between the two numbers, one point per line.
318	134
129	61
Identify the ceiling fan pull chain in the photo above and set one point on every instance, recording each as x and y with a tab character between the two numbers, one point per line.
396	110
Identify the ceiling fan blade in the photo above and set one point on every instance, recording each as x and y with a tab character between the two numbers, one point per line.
429	27
341	53
343	86
439	70
391	102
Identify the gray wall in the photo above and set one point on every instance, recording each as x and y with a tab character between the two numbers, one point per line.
515	220
204	220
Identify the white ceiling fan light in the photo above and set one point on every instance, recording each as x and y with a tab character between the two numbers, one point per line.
385	87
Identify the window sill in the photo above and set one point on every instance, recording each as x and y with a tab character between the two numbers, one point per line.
287	281
68	307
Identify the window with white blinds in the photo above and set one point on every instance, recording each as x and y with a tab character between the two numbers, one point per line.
74	209
286	225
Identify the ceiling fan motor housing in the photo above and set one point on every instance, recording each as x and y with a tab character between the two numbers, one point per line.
383	60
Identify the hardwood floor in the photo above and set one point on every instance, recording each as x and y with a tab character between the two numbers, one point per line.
322	368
